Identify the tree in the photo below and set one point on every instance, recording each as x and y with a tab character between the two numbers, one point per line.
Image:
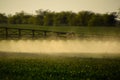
3	18
40	16
19	18
109	19
83	17
61	19
71	17
118	14
118	17
32	19
96	20
64	18
49	19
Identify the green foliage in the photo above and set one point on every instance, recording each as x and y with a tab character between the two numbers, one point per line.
61	19
64	18
109	20
20	18
118	14
84	17
3	18
49	19
66	68
96	20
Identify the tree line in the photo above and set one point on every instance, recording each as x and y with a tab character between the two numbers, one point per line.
64	18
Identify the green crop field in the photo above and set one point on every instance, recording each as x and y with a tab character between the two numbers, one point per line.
48	67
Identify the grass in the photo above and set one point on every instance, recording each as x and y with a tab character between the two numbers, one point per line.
99	31
48	67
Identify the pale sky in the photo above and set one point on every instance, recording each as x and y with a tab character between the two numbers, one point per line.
29	6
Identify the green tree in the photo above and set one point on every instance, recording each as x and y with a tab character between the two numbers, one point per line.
40	16
96	20
83	18
118	17
64	18
109	19
3	18
32	19
19	18
61	19
118	14
71	18
49	19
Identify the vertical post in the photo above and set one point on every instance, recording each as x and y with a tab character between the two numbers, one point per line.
45	33
6	33
33	33
19	33
57	34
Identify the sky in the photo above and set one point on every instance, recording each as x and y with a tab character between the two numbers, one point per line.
30	6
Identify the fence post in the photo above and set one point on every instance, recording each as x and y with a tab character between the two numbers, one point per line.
6	33
33	33
45	33
58	34
19	33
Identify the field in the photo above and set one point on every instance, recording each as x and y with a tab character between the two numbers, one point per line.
80	32
48	67
82	66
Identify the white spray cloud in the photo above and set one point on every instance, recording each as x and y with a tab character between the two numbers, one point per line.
60	46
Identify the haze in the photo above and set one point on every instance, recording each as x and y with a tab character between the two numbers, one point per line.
60	46
100	6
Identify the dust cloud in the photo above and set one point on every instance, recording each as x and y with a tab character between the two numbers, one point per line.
60	46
